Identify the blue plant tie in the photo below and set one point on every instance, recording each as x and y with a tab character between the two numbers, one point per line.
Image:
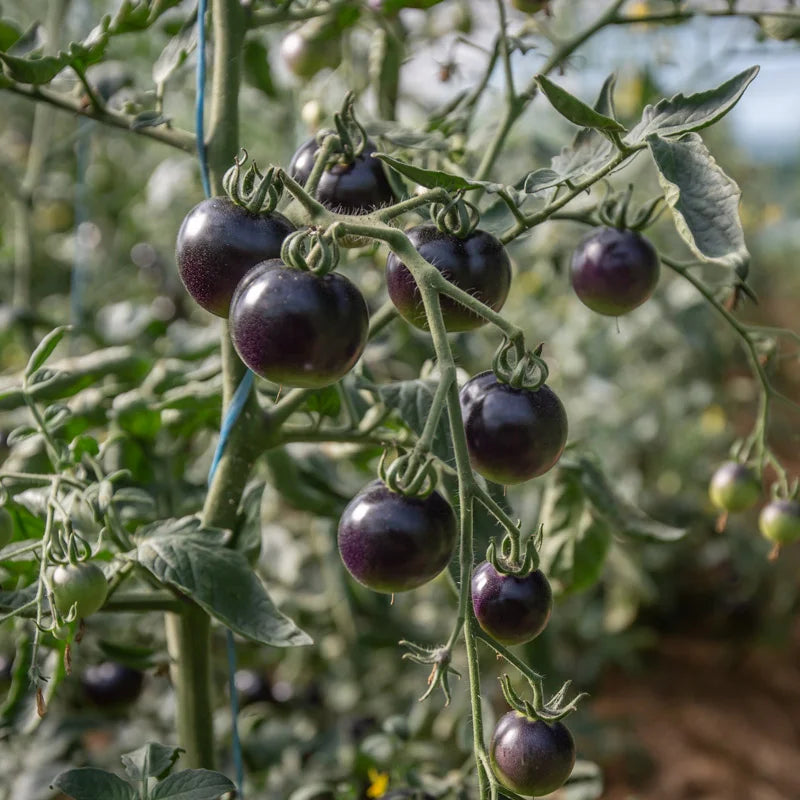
242	390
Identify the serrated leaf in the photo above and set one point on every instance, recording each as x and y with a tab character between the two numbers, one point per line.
192	784
681	114
575	110
151	761
221	582
88	783
703	200
412	400
590	149
45	349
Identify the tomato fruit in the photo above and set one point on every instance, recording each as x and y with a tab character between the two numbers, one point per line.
511	609
6	527
530	756
478	264
512	434
779	521
218	242
355	188
296	328
109	683
314	46
734	487
614	271
392	543
83	584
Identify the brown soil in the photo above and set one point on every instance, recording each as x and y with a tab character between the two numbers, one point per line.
700	726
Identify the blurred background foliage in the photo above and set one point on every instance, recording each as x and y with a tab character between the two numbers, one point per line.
658	397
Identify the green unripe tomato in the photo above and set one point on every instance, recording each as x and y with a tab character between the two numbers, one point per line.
6	527
83	584
779	521
311	48
734	487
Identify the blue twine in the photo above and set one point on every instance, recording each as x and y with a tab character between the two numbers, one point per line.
242	390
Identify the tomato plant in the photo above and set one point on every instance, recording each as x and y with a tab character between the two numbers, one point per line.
182	495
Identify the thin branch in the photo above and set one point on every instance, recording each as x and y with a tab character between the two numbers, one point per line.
174	137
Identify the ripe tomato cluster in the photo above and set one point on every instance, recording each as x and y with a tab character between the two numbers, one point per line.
298	327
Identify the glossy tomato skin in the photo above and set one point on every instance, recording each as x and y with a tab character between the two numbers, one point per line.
478	264
513	435
734	487
356	188
392	543
218	243
614	271
83	584
529	756
779	521
109	683
511	609
296	328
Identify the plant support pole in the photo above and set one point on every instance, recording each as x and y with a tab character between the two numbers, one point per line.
189	634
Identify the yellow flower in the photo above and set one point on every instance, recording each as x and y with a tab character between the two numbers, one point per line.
379	783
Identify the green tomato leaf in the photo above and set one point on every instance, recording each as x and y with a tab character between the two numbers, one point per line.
575	110
174	54
703	200
436	179
9	34
780	28
192	784
590	149
15	599
247	536
151	761
412	400
326	401
221	581
576	540
45	349
36	70
625	519
681	114
257	69
88	783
